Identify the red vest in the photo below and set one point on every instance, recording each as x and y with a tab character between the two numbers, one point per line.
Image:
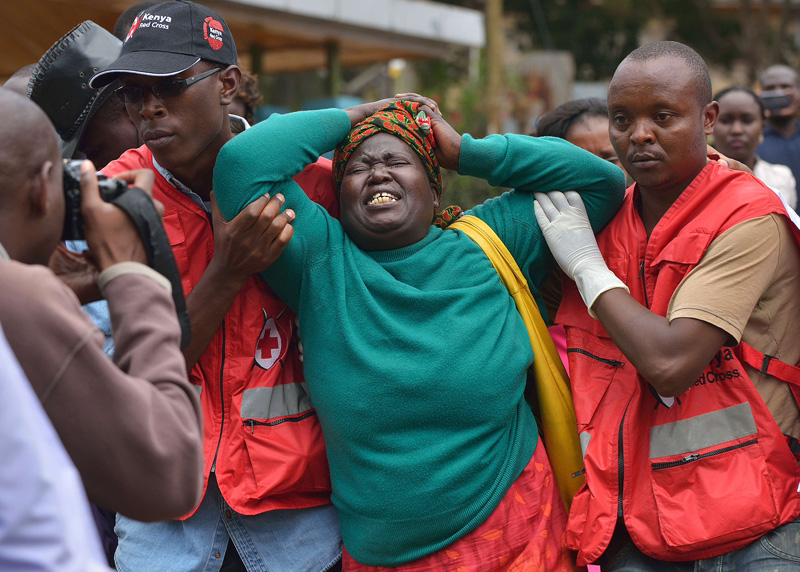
713	472
260	430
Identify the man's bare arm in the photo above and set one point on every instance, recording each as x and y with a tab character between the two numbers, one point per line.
669	355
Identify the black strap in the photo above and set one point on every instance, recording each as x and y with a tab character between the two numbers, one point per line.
765	363
139	207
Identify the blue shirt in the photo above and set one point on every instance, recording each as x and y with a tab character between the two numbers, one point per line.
97	311
781	150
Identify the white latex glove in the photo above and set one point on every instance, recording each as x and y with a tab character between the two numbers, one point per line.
565	226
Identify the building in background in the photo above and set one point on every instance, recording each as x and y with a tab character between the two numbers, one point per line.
282	41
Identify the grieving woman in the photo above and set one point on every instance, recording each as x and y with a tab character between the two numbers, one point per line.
415	354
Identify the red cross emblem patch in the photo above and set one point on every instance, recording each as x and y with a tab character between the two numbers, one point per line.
272	343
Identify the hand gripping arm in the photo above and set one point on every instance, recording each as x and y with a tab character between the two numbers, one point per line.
565	226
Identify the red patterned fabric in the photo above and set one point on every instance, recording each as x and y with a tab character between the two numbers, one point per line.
525	533
448	216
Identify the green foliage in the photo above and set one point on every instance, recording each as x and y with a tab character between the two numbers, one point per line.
462	101
601	34
466	192
714	35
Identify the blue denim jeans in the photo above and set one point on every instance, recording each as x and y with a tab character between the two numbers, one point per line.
776	551
300	540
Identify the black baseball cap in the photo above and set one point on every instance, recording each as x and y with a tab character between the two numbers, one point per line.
169	38
59	82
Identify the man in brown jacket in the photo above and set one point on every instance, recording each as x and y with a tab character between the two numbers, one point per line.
132	426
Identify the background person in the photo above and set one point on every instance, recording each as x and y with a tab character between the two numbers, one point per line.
246	101
123	24
429	462
781	143
738	131
582	122
687	427
92	124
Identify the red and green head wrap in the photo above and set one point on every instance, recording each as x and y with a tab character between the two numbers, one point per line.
402	119
405	120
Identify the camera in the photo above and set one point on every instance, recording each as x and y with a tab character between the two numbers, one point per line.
138	205
775	100
110	189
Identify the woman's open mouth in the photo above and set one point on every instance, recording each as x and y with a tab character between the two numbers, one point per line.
382	197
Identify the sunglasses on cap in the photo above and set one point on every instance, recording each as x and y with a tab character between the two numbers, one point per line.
132	95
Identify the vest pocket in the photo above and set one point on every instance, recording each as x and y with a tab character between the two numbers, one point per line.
719	491
593	364
286	455
283	439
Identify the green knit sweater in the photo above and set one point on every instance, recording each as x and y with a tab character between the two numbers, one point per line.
415	358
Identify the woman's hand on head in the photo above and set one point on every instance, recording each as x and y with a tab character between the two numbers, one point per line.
448	140
358	113
421	99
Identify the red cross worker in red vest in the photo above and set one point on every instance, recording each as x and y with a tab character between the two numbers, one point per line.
266	494
683	367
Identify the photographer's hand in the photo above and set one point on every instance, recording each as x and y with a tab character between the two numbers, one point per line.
110	233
